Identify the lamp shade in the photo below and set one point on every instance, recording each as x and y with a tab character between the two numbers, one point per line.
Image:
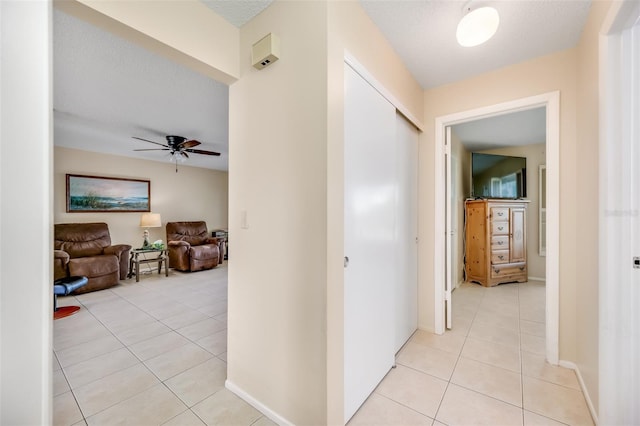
150	220
477	26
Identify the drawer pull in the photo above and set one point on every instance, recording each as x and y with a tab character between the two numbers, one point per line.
500	242
500	228
522	268
500	213
501	257
496	270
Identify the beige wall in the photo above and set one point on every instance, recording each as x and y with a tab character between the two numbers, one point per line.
292	362
537	76
277	153
574	73
535	155
285	309
185	31
191	194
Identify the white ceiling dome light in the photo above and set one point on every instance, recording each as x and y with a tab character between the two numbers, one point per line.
478	24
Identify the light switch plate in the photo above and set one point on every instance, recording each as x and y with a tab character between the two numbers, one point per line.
244	224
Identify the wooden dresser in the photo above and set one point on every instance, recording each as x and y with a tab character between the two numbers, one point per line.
496	241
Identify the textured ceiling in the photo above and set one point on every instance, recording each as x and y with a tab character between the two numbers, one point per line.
237	12
107	90
423	33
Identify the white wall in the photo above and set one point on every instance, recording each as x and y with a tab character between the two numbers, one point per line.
25	213
193	193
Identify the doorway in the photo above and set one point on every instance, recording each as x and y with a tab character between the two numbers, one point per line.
499	158
551	102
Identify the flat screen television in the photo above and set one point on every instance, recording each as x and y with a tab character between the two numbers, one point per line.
498	176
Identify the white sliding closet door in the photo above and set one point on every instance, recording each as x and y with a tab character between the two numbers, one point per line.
406	282
370	239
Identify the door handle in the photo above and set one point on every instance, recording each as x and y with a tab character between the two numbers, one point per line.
346	261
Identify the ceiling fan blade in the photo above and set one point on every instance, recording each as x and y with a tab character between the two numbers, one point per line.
146	140
188	144
184	154
200	151
153	149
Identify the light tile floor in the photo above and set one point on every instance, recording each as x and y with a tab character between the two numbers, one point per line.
148	353
489	369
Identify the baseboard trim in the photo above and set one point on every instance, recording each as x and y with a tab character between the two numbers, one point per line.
585	392
272	415
536	279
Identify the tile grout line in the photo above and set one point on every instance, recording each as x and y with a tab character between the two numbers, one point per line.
435	416
520	355
125	346
402	404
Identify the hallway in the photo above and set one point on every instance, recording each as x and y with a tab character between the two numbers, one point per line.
488	370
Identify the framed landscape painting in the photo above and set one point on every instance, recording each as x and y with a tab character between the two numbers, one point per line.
107	194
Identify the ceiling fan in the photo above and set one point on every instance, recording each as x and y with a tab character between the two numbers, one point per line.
178	148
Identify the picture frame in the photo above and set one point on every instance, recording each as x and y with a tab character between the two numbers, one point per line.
98	194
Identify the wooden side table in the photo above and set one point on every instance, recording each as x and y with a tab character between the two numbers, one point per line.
135	261
223	235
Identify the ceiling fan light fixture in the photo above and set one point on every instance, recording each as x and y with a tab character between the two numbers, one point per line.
176	157
477	25
177	147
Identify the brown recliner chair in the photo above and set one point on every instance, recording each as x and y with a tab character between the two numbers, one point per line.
84	249
191	248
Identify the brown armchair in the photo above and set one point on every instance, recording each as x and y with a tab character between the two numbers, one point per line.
190	247
84	249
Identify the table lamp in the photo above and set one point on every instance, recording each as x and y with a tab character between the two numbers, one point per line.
149	220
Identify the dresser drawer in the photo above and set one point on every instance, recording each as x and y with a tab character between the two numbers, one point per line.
499	213
510	269
499	256
499	228
500	243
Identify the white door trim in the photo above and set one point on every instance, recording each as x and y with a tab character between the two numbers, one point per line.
618	216
551	101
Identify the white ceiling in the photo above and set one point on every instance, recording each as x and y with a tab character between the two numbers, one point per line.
107	90
423	33
514	129
237	12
